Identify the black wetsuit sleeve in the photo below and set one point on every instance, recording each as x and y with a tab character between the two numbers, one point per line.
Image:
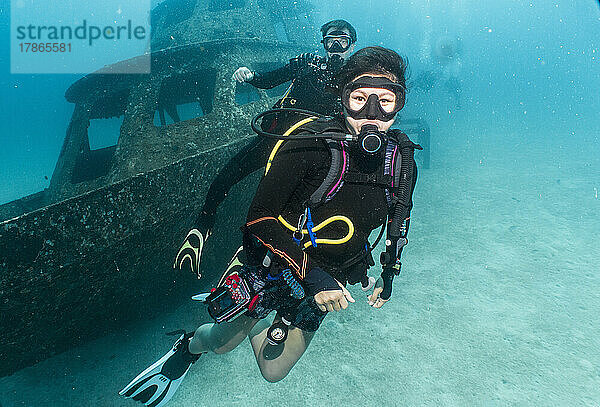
296	67
249	159
268	80
284	184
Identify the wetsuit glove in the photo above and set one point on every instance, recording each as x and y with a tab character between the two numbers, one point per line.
318	280
387	278
303	61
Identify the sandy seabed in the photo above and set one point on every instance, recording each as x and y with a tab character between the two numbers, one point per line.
498	304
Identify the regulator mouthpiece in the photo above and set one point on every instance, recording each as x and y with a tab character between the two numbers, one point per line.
370	139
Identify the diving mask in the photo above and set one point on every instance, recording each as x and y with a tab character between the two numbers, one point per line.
337	42
373	108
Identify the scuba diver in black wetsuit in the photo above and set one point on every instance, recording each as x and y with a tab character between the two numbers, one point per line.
312	88
313	77
326	188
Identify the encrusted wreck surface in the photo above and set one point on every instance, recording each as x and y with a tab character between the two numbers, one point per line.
196	44
95	249
178	22
74	270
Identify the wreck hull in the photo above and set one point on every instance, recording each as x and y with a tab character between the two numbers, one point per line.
79	268
90	253
95	249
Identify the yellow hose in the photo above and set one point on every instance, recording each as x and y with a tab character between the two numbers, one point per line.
320	226
327	221
280	142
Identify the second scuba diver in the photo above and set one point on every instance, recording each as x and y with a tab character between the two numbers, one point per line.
312	88
326	189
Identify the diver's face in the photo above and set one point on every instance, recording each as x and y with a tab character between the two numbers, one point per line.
358	99
343	40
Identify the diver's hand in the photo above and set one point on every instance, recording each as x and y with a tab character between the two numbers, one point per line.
382	291
374	299
243	74
303	61
333	300
190	252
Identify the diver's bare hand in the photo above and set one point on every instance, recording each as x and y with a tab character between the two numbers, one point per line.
333	300
243	74
374	299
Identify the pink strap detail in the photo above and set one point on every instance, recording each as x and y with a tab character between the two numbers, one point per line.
393	164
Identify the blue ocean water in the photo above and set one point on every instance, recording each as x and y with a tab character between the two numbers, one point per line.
499	301
523	64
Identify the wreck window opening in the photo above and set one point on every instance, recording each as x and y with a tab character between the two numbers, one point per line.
185	96
104	132
245	93
278	91
98	148
170	114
